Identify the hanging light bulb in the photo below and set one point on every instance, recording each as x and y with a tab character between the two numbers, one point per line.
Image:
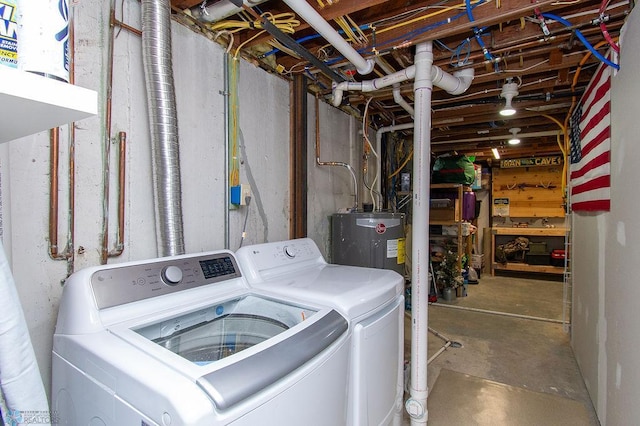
514	139
509	91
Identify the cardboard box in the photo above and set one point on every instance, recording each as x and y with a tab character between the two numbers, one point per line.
442	212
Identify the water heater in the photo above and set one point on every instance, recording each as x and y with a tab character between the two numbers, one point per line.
374	240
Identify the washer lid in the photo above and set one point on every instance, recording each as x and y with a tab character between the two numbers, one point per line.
351	290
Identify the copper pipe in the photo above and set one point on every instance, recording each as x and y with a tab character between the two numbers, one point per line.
122	150
70	250
127	27
54	185
104	252
54	163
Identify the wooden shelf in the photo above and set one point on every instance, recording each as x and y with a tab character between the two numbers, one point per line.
32	103
539	232
525	232
525	267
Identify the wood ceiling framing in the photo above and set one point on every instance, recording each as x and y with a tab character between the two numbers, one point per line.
517	48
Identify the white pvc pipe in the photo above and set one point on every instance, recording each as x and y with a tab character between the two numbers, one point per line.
416	405
20	380
371	85
454	84
397	96
388	129
313	18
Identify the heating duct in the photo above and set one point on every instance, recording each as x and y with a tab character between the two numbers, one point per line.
161	105
221	9
20	381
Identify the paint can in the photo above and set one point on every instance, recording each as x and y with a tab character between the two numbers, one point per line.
43	31
8	34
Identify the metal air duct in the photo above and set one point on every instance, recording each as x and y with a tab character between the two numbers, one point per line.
161	105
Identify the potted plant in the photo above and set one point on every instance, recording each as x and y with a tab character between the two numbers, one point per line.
448	274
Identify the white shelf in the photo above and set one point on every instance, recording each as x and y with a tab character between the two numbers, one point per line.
30	103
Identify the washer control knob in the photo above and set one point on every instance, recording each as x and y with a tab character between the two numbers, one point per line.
289	252
171	275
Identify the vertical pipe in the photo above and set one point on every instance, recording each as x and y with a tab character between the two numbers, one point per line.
54	164
72	154
122	161
106	138
227	139
299	157
417	405
54	184
161	107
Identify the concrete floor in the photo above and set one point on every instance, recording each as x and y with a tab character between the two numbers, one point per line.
509	370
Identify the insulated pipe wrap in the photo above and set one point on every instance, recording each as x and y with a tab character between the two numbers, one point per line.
161	105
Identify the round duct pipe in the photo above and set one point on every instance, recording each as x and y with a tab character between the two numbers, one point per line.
161	105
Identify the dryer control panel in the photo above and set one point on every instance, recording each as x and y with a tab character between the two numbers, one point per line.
263	260
128	283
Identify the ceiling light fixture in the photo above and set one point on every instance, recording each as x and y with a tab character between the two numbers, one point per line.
496	154
509	91
514	139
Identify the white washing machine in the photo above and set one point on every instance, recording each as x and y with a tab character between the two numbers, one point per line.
372	301
184	341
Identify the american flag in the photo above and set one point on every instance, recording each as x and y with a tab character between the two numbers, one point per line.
590	139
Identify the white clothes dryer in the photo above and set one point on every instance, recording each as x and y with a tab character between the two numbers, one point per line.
184	341
372	301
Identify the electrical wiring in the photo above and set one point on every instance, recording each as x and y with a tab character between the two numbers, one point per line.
234	172
603	26
285	22
582	38
401	166
353	32
241	45
247	201
373	151
227	33
290	71
529	68
402	37
431	15
281	47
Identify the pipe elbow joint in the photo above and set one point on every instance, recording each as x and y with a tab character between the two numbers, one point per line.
465	77
337	97
368	68
338	93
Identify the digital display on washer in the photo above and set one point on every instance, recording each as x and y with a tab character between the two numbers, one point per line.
218	267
